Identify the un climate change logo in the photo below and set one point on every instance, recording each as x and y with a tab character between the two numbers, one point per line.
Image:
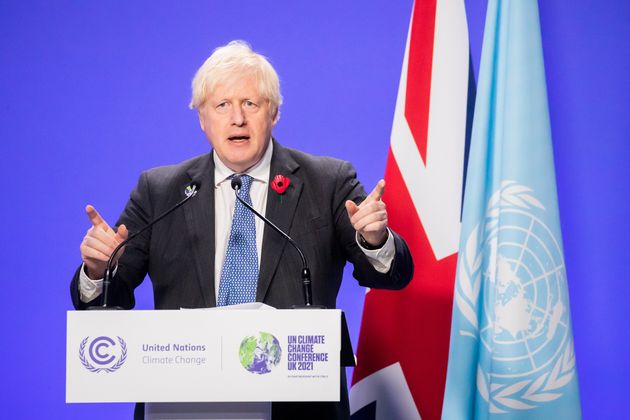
526	346
260	354
104	352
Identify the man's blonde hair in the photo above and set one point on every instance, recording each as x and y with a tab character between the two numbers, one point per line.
236	58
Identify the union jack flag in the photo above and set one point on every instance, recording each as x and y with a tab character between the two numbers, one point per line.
404	340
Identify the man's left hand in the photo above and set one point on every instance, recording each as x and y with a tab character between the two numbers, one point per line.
369	218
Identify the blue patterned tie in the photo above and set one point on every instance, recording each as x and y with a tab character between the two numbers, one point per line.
239	276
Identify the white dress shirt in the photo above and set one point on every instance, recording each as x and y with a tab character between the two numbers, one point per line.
224	202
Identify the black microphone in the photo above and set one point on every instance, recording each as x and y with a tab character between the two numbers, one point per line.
306	273
191	190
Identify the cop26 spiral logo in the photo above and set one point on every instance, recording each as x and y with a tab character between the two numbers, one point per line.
103	354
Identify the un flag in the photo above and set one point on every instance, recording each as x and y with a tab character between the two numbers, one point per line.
511	351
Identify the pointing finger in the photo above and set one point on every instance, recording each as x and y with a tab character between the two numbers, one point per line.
95	218
377	192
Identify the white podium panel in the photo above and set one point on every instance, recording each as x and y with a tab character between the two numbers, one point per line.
203	355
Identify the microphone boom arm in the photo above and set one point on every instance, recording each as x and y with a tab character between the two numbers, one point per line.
306	273
107	277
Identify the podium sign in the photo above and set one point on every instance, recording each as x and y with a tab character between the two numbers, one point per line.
203	355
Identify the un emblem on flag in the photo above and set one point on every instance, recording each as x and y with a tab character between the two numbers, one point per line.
511	288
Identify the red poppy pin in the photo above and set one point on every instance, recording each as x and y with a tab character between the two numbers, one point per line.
280	184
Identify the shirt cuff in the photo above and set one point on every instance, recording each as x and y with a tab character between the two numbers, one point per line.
381	259
89	289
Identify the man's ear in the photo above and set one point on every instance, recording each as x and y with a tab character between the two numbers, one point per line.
203	128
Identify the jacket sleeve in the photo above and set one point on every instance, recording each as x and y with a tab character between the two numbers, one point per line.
132	265
401	270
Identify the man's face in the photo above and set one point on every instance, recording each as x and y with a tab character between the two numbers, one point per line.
237	121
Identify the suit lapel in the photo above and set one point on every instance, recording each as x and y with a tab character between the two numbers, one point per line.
280	210
200	223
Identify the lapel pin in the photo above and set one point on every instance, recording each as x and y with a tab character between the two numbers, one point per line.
280	184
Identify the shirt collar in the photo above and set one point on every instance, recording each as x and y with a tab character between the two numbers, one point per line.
260	171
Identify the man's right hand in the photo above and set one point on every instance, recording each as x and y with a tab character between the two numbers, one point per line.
99	243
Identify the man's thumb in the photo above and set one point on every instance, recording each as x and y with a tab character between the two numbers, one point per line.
351	207
122	233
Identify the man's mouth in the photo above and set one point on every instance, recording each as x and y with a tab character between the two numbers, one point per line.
238	138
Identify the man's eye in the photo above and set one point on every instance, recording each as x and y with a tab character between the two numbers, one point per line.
250	104
222	107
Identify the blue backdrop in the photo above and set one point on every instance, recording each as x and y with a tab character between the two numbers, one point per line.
94	92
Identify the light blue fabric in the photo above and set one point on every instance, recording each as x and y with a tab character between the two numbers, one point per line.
239	276
511	349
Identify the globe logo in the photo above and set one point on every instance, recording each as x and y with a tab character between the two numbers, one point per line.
511	289
260	354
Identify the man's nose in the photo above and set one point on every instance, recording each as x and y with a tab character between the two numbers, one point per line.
238	116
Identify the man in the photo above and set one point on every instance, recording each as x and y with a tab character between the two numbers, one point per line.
192	255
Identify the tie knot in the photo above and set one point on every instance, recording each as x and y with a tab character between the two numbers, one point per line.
246	182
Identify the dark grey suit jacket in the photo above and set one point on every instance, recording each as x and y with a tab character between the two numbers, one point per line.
178	252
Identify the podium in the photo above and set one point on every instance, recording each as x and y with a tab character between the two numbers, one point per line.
217	355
